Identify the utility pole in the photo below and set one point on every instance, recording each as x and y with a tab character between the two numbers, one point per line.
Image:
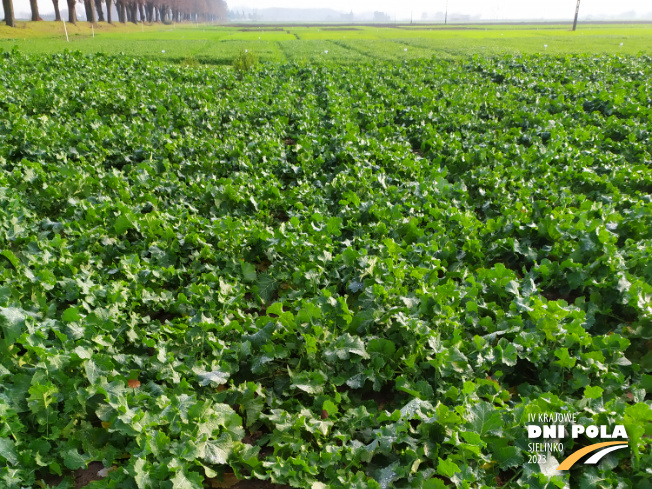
577	11
446	15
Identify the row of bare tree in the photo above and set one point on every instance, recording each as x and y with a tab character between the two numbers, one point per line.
132	10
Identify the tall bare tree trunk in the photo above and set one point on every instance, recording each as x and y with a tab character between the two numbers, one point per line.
141	10
33	5
57	13
92	18
122	12
72	13
8	6
108	11
98	9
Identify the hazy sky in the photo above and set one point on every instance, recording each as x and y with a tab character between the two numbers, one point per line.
488	9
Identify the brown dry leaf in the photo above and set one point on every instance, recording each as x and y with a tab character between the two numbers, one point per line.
491	379
105	471
133	383
221	388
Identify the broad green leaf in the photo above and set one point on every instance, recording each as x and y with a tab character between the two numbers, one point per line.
310	382
267	285
447	467
333	226
434	483
71	315
344	346
8	451
186	480
564	358
41	397
216	377
248	272
93	371
9	255
593	392
217	451
508	457
73	459
122	224
142	476
12	320
484	418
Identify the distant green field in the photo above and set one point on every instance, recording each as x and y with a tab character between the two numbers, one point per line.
210	44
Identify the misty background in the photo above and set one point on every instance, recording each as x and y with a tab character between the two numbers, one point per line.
404	11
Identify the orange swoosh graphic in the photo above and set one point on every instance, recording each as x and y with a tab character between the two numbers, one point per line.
575	456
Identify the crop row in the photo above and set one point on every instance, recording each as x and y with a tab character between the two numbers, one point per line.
322	276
